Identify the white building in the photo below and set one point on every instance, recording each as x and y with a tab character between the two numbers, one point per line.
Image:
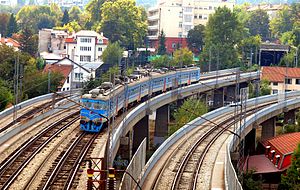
74	74
177	17
86	47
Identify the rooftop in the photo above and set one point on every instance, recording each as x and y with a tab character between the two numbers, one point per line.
278	74
65	70
285	144
9	42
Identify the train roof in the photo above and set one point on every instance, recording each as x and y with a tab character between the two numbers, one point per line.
97	94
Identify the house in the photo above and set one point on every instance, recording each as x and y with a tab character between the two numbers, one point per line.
86	46
52	41
10	42
65	70
79	73
275	159
282	79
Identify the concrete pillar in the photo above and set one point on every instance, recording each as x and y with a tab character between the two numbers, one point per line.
290	117
250	142
268	128
125	150
229	93
161	124
140	131
152	118
218	96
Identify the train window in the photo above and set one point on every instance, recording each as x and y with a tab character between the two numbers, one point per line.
87	104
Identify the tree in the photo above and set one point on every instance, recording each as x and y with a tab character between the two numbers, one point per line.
93	8
195	38
112	54
258	23
190	110
248	48
162	61
292	178
12	26
65	18
45	21
182	57
282	22
29	41
250	183
265	88
6	96
74	13
222	33
162	44
123	22
4	20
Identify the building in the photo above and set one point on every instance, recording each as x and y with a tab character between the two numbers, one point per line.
271	9
177	17
52	41
275	160
9	2
74	74
69	3
282	79
85	47
10	42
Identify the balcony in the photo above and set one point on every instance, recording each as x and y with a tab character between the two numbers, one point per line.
153	27
153	37
153	17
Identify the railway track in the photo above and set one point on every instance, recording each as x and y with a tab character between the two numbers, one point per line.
63	173
13	165
30	114
188	163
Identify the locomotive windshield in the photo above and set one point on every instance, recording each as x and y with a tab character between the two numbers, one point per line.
94	104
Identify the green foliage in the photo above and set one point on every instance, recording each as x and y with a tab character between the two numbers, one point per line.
190	110
162	61
162	44
12	26
109	75
93	9
182	57
4	19
91	84
65	19
122	21
249	45
29	41
222	32
265	88
112	54
6	96
282	22
292	178
195	38
258	23
249	183
74	13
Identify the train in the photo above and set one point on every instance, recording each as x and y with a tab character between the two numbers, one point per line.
109	99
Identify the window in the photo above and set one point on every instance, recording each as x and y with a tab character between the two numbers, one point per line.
85	40
200	16
179	34
210	7
275	92
78	76
272	155
86	58
99	48
68	79
188	9
277	160
85	48
187	18
68	88
288	81
63	89
187	28
297	81
195	16
174	45
275	83
180	14
180	24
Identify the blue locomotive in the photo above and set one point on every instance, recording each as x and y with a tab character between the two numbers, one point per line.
106	101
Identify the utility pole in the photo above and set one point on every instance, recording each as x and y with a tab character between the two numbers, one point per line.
49	81
209	64
16	89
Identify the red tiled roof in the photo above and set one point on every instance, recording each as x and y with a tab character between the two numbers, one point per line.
65	70
277	74
10	40
69	40
287	143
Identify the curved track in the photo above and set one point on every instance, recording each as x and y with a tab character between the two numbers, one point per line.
12	166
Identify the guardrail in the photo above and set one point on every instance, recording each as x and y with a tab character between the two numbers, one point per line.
231	179
140	111
197	122
31	101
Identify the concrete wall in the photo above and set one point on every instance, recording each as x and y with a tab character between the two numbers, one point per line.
135	167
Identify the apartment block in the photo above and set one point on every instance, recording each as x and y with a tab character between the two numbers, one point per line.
177	17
